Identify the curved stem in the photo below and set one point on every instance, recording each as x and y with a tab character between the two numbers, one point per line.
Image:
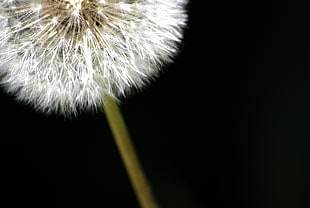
128	154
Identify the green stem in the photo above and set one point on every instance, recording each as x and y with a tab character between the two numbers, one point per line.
128	154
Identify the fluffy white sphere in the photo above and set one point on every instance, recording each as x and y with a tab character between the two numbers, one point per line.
64	56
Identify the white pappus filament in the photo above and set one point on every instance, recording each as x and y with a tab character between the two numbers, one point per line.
64	56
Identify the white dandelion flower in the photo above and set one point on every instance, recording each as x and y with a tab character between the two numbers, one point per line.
68	55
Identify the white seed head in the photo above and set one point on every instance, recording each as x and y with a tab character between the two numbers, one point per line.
64	56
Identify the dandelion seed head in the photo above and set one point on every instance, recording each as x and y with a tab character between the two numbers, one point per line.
65	56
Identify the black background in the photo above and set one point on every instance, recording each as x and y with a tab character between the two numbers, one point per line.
227	124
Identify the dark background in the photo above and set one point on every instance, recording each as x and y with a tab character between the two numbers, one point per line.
227	124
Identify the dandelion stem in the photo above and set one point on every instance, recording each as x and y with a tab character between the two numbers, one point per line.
128	154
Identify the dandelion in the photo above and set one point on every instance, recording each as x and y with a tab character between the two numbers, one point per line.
65	56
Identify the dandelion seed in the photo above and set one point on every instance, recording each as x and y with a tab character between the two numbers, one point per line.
68	55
